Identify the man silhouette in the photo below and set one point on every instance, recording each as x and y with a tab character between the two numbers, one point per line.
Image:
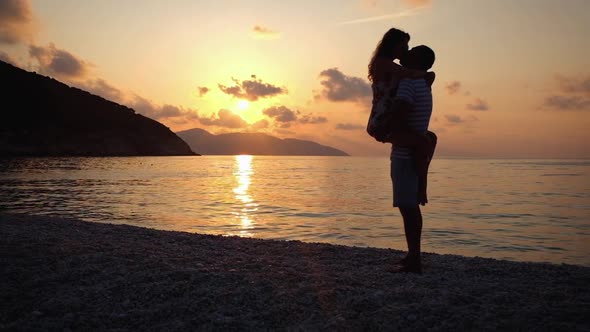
413	103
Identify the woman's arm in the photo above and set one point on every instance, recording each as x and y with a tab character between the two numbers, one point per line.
403	72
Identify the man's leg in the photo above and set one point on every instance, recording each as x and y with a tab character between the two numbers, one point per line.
413	228
405	197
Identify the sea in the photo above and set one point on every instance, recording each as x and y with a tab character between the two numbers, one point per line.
520	210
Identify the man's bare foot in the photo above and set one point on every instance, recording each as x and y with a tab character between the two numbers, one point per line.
412	268
410	263
403	261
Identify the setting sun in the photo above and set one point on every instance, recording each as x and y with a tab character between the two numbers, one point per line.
243	104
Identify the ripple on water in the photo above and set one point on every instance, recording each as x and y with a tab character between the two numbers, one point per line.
499	215
511	247
445	232
502	230
358	229
313	215
515	206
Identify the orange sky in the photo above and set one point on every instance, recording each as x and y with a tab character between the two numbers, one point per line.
512	76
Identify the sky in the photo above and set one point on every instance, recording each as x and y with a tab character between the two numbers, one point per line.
512	77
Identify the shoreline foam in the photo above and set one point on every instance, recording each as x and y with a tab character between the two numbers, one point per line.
69	274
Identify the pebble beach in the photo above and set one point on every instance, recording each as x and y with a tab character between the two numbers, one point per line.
68	274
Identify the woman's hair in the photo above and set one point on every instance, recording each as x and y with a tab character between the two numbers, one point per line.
386	47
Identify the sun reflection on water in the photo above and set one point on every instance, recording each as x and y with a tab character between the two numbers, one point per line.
242	173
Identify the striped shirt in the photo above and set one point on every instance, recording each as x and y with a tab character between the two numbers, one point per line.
418	94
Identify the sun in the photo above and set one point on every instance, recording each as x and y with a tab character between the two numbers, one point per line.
243	104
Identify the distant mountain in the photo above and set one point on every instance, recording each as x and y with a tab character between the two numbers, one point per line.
253	143
44	117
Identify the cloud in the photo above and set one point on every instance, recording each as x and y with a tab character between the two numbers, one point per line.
478	105
456	87
61	63
574	85
261	124
349	126
7	58
454	119
102	88
573	94
415	6
16	21
410	3
170	111
285	132
166	111
417	3
252	89
310	119
177	115
568	103
453	87
339	87
235	91
404	13
203	90
144	106
369	3
262	32
225	118
280	114
285	117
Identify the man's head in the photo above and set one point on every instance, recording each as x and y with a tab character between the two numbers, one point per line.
420	57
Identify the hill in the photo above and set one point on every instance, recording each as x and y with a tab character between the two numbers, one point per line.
44	117
254	144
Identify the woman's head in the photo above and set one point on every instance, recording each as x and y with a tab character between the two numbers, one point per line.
392	46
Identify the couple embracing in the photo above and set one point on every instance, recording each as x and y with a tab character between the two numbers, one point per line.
401	111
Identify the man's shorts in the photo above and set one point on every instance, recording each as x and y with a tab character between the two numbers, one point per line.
405	182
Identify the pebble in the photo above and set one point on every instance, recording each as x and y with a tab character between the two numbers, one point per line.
308	287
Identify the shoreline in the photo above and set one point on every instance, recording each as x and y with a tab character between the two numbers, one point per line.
63	273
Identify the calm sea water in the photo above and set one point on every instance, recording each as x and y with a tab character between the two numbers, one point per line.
525	210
